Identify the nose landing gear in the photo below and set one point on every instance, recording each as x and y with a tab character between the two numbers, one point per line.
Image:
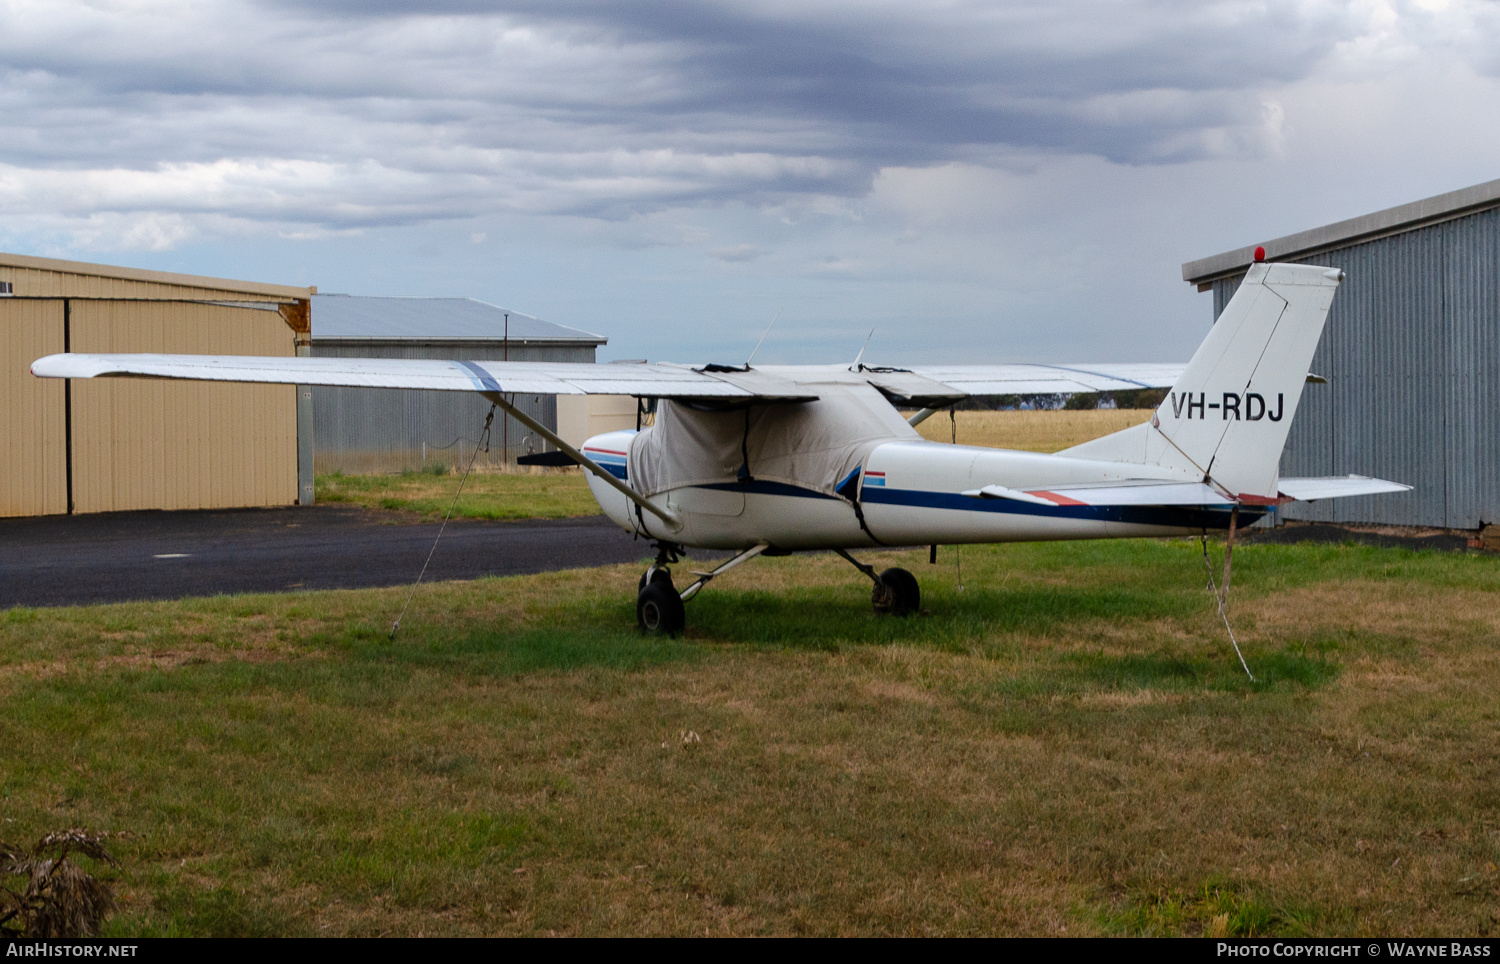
658	608
658	604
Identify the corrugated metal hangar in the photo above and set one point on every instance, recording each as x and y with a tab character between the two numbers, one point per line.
1412	357
113	444
381	430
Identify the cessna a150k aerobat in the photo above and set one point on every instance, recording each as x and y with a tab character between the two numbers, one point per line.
788	458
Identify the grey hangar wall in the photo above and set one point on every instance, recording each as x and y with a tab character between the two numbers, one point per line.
359	430
1412	355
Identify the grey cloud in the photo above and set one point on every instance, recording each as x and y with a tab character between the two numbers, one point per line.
403	112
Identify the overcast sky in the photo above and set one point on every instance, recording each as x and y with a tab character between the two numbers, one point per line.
976	181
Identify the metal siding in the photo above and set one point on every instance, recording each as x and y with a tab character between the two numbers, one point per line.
1473	370
1224	289
381	430
1412	353
431	320
33	456
149	444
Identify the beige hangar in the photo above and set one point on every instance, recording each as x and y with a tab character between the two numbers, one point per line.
108	445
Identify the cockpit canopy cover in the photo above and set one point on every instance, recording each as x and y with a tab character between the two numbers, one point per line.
812	445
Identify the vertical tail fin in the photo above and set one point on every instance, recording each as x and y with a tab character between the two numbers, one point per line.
1228	415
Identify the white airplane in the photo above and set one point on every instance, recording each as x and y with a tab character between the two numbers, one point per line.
780	459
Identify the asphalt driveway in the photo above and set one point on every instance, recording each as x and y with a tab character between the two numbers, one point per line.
115	557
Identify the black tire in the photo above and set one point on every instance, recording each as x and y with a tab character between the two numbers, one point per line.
897	594
659	610
660	576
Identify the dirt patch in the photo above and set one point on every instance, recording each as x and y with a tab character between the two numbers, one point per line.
903	692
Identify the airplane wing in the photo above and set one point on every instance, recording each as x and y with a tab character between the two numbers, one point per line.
923	385
538	378
1048	379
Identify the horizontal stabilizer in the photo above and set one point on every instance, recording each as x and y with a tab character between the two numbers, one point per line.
1001	492
1338	486
1135	492
1165	492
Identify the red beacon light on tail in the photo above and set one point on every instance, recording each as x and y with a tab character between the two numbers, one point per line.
1260	254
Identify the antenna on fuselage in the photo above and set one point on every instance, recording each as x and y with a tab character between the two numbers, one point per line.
861	356
763	337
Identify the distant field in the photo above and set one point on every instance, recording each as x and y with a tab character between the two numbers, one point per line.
562	493
1067	746
1031	431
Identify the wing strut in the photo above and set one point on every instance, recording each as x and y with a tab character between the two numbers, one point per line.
922	416
664	515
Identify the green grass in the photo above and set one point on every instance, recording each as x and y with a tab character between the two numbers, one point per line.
557	494
1068	745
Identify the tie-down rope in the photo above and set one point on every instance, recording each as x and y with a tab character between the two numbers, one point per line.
484	441
1220	597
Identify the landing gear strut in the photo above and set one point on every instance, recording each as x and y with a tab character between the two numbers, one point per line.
658	604
896	591
658	607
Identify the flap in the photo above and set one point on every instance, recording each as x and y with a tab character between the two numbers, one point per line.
908	388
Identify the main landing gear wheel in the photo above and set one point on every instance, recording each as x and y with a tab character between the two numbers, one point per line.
897	593
658	608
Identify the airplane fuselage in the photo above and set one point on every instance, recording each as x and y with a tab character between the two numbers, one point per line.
909	493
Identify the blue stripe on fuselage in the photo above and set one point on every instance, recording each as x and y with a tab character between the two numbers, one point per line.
1177	517
613	464
1182	517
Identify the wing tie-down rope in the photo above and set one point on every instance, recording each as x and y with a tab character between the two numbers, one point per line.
1221	597
484	441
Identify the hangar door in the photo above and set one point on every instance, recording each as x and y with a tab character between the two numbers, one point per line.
33	457
150	444
107	445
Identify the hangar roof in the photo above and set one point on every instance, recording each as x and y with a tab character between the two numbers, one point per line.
34	277
367	318
1405	217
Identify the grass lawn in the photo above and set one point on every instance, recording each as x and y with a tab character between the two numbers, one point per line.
1067	746
555	494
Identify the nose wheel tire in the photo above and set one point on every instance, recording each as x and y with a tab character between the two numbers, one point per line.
897	593
658	575
659	610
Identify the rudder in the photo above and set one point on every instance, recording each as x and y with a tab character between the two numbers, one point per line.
1228	416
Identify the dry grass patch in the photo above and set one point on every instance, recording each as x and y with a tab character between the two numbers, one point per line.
1031	431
